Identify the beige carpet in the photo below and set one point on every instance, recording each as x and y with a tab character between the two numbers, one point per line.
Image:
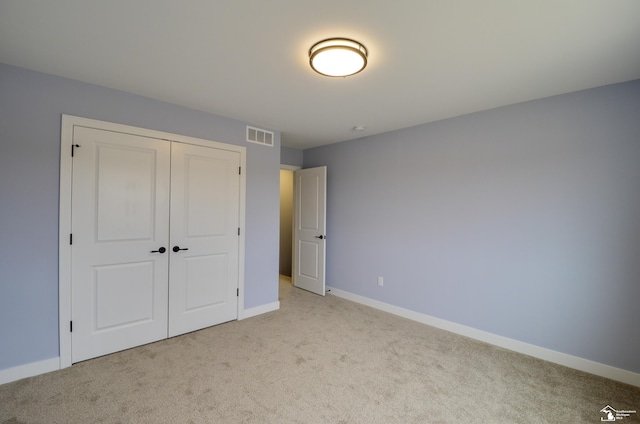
317	360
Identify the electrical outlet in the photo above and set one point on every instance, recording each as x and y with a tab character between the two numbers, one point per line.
380	281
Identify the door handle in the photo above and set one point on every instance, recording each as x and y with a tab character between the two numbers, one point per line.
177	248
321	237
161	250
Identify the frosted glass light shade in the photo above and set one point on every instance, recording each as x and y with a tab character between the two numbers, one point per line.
338	57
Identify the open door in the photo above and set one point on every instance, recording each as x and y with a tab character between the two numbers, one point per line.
309	231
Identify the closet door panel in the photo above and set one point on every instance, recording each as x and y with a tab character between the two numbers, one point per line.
120	204
205	190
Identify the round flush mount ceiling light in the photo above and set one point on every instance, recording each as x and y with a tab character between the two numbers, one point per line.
338	57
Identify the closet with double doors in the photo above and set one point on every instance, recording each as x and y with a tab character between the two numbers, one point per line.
154	243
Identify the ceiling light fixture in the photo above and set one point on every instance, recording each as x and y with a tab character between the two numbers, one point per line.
338	57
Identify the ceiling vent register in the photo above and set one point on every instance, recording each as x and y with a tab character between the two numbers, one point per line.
256	135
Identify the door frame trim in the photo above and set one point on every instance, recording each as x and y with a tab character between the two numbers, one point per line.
65	218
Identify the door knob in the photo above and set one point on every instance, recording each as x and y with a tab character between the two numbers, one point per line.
321	237
161	250
177	248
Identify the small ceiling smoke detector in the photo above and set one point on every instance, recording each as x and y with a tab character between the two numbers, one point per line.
359	128
338	57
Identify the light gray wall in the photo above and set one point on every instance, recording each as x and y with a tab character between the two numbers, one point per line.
31	105
290	156
523	221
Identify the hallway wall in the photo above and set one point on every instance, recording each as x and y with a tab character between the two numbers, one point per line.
286	221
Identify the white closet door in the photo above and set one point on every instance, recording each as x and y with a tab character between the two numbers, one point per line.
120	208
205	199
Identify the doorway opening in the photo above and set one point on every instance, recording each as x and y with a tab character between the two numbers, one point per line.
307	241
286	219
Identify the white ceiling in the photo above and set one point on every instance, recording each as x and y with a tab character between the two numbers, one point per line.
248	59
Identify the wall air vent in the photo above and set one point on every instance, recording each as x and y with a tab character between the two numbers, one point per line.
256	135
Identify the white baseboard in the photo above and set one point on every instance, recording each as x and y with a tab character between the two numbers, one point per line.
258	310
29	370
560	358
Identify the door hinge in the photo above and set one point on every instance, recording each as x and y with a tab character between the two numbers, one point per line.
70	238
73	149
238	230
239	170
71	326
237	292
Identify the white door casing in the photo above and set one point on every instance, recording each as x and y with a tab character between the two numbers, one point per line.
310	236
204	223
135	175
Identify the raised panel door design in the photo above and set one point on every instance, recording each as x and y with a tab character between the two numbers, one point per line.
309	190
204	219
309	229
308	259
125	198
120	206
206	281
206	188
113	309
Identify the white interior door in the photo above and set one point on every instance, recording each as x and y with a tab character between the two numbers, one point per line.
120	208
310	229
205	187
